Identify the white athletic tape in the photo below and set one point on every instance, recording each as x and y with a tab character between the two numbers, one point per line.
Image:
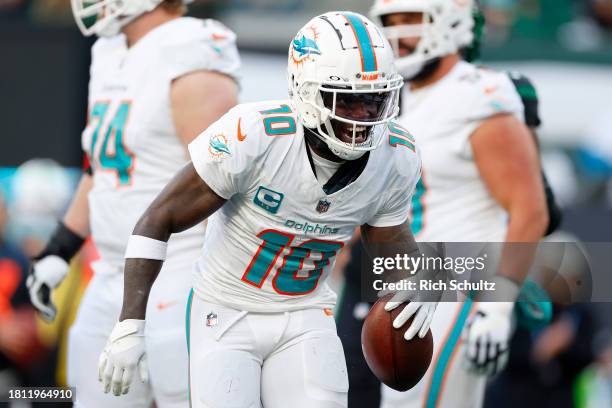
145	248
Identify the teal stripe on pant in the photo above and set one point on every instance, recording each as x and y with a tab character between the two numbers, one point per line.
188	335
446	354
188	318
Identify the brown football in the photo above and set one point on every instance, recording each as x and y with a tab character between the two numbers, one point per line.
398	363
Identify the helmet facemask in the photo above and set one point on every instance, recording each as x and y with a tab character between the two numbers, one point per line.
429	28
343	82
411	51
352	119
105	18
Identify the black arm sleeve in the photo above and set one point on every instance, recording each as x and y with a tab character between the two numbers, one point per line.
529	97
64	243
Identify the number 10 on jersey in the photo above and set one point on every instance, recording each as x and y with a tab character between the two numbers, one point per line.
287	279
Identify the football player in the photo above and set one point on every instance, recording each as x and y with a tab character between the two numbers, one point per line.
157	80
481	182
284	184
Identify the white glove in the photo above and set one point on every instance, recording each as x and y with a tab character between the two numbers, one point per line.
123	354
45	275
423	313
486	337
420	303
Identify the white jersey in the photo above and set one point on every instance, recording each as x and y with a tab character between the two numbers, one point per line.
130	138
271	246
451	201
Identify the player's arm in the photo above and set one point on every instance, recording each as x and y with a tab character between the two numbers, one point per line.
530	100
184	202
198	99
383	241
508	162
50	267
388	242
507	159
77	216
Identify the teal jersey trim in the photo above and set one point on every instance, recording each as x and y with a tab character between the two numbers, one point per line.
366	48
446	354
188	318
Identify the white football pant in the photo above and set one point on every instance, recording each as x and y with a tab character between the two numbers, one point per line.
241	359
446	384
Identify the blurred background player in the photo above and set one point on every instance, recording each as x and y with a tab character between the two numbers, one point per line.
545	364
481	182
364	390
22	348
40	191
157	80
285	184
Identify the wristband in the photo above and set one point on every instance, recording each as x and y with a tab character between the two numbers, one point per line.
64	243
145	248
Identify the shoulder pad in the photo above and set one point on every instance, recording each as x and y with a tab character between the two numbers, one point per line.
256	126
193	44
488	93
529	97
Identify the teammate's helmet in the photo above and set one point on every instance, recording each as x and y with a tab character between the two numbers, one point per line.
343	82
446	28
105	18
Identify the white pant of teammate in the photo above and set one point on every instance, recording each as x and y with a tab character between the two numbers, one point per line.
278	360
166	345
446	384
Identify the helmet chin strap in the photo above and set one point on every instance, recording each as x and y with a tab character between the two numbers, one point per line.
130	11
410	70
114	27
316	143
425	71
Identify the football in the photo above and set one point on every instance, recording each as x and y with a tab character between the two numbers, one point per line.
398	363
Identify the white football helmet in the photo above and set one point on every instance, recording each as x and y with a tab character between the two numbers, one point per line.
105	18
446	28
343	82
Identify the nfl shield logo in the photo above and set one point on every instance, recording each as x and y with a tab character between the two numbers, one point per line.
211	319
323	206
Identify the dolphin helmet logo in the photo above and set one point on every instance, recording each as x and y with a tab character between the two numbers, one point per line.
304	45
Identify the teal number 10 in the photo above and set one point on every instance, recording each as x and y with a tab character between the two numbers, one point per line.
112	154
279	125
286	280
